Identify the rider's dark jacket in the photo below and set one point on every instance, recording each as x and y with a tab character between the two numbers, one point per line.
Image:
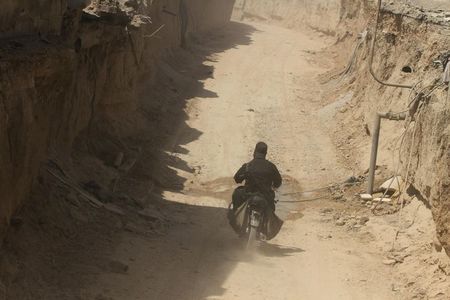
260	175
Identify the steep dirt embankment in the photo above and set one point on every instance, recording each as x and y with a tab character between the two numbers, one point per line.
62	68
413	35
408	46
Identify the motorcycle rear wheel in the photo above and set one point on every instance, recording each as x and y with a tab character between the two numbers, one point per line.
251	238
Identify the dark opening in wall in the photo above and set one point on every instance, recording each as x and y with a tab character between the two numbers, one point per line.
407	69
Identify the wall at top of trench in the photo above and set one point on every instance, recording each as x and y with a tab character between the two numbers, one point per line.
326	16
292	13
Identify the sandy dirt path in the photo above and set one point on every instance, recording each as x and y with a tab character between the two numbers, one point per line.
265	89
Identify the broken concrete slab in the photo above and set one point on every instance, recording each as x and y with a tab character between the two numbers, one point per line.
393	184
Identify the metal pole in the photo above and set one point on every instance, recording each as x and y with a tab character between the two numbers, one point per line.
374	153
375	138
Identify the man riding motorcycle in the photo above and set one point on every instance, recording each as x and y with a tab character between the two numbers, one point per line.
261	178
260	175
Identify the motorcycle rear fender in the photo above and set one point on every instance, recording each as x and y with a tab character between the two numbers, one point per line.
257	202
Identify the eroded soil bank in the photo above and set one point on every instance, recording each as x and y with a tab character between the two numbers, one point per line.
411	49
64	69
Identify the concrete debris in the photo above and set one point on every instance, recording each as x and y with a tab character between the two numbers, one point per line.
394	184
366	197
386	200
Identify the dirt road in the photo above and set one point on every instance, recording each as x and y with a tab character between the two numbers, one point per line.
265	88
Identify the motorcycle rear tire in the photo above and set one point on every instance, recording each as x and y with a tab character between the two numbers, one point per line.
251	238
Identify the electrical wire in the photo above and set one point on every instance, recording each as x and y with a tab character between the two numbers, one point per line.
322	188
372	53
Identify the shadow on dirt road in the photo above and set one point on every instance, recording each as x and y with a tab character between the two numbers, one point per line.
66	249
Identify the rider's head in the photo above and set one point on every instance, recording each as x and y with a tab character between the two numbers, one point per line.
260	150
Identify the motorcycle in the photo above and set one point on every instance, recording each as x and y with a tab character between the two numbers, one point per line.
256	208
254	220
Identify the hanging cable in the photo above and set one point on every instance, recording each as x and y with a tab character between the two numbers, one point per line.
372	52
